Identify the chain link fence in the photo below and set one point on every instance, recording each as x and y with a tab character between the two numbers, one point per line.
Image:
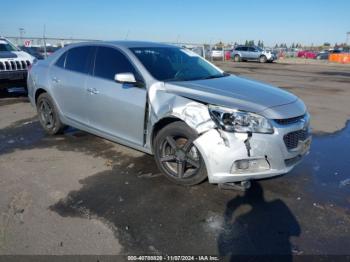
48	44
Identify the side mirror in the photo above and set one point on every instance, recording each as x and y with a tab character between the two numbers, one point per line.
127	78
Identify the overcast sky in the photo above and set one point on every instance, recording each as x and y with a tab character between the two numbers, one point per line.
307	22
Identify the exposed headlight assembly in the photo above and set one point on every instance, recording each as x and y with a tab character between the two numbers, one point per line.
239	121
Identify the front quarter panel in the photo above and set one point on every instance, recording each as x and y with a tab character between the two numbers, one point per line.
163	104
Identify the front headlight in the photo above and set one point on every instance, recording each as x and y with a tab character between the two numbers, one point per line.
239	121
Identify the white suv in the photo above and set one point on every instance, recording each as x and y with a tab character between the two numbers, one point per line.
14	64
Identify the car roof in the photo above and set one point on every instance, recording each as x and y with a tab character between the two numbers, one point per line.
126	44
131	44
247	46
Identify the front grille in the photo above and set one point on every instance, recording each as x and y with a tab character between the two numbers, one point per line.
292	139
7	65
18	65
24	65
14	65
289	121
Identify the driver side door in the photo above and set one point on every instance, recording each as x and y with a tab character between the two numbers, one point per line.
115	109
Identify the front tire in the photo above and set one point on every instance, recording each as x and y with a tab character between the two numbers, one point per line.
262	59
48	115
176	155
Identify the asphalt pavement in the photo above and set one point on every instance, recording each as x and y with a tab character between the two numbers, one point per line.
79	194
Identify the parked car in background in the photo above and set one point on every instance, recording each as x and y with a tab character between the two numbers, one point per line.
216	53
307	54
198	121
291	52
34	51
197	49
324	55
245	53
49	50
14	64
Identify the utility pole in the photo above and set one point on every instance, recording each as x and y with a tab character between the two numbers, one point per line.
21	34
348	38
44	35
177	39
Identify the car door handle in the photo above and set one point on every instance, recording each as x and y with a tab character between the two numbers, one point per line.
92	91
55	80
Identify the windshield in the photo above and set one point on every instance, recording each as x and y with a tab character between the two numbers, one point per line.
175	64
5	46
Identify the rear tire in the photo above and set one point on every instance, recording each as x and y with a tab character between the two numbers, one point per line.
48	115
237	58
176	155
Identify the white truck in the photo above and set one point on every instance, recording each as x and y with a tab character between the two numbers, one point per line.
14	65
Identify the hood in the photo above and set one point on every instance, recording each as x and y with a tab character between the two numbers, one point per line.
233	92
7	54
16	55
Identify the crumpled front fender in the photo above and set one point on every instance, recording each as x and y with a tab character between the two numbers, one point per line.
163	104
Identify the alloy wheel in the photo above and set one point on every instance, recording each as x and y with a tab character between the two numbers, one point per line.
180	157
47	114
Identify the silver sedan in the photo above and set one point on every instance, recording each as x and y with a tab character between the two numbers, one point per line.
198	121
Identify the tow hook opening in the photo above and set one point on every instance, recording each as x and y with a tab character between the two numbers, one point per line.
247	143
240	186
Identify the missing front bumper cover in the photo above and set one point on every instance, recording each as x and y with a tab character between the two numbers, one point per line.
241	186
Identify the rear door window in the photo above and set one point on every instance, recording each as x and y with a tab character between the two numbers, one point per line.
79	59
244	48
251	49
110	61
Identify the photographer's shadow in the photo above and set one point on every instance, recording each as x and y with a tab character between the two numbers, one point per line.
260	228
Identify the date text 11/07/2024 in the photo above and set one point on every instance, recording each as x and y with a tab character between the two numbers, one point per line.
173	258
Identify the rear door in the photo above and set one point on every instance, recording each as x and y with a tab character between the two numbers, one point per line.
115	109
244	52
68	79
253	53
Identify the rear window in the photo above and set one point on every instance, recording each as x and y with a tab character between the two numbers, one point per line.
78	59
61	61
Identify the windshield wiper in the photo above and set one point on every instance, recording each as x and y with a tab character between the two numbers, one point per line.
216	76
194	79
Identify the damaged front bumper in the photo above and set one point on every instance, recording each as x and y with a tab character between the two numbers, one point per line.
233	157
